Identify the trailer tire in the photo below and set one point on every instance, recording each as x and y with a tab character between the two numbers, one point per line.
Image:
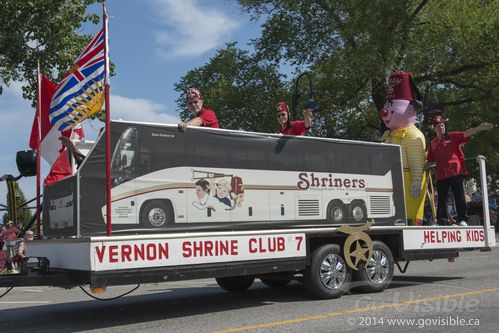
377	274
336	212
157	214
235	283
275	283
328	276
357	212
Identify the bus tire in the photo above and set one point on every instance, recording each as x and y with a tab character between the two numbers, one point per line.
357	212
336	212
328	276
377	274
275	282
235	283
157	214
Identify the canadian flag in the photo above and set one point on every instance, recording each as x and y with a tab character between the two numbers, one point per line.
51	147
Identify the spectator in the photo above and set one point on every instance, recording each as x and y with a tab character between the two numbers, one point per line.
10	238
296	127
446	153
2	229
200	115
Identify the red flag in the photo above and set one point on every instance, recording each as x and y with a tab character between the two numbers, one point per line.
51	148
60	169
47	91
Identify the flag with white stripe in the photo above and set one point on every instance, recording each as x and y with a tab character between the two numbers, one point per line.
81	93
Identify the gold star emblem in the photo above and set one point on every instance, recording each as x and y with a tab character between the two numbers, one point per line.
359	253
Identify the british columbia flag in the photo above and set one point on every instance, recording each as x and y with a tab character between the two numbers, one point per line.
81	93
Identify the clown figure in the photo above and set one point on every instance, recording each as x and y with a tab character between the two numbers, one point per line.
399	115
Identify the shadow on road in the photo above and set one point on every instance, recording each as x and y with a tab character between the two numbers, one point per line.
161	304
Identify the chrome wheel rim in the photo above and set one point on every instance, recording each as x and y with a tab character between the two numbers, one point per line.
157	217
358	213
337	214
378	268
333	271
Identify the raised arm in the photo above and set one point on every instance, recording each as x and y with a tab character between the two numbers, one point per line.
307	117
482	127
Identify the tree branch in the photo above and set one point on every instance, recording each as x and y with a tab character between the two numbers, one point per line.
464	68
418	9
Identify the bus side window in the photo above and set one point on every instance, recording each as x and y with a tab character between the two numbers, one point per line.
124	157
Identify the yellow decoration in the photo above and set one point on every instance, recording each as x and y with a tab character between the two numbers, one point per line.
86	104
413	145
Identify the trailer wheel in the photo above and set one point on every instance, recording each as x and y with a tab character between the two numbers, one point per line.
357	211
157	214
336	212
275	283
235	283
328	276
377	274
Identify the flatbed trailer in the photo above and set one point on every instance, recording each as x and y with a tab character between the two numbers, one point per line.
329	241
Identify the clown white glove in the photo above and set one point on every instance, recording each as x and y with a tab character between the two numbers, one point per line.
415	188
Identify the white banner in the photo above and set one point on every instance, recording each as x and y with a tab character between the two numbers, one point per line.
115	255
444	238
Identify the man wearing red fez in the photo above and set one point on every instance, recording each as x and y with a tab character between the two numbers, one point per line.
446	153
200	115
296	127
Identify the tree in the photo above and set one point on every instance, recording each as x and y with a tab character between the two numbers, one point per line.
40	30
351	47
241	90
23	214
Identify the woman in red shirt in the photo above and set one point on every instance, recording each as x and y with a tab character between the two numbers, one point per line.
446	153
296	127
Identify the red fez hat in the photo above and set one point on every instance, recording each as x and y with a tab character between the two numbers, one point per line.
281	107
193	94
237	185
438	120
401	87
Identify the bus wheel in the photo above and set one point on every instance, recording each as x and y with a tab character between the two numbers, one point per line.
327	276
157	214
235	283
275	283
377	274
357	211
336	212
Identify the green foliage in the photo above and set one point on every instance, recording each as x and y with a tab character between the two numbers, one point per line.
351	47
23	214
241	90
40	30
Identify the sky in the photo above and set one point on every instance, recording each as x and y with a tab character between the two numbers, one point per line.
153	43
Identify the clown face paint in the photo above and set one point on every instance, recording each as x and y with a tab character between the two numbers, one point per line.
398	113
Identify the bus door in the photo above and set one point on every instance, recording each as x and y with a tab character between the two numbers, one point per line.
281	203
124	166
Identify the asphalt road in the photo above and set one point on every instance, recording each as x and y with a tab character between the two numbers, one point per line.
432	296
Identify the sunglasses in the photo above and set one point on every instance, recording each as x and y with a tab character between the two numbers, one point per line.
279	115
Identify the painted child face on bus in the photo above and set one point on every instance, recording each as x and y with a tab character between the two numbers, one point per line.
398	113
200	192
222	192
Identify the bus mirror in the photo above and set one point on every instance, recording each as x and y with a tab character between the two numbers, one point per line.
26	162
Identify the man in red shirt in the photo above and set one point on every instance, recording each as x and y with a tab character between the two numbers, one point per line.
201	116
296	127
446	153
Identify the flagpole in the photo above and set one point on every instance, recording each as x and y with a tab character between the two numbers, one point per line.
108	123
38	147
